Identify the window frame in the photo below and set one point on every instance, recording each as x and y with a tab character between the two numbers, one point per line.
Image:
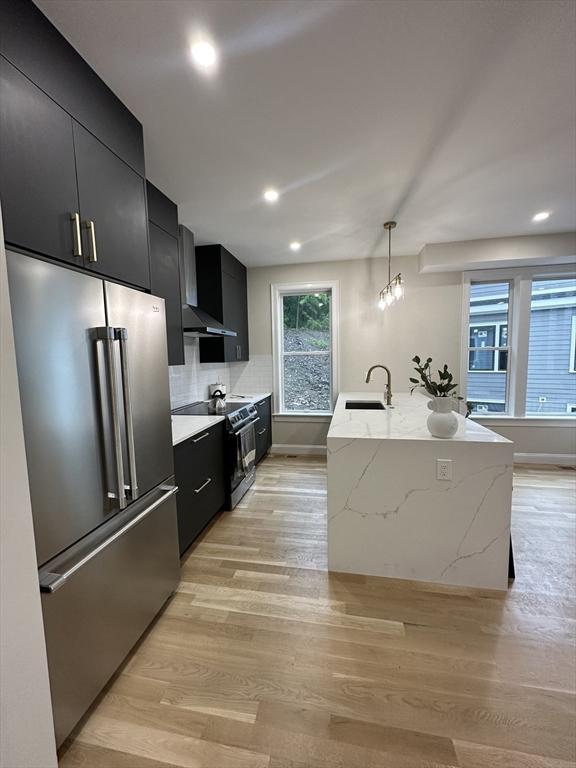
519	309
277	292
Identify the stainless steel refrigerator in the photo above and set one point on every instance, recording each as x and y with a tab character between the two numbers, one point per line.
93	374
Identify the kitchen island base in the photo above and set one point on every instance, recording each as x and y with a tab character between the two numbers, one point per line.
389	514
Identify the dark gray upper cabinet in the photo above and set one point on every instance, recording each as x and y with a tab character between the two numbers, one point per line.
68	147
113	202
37	49
222	292
161	210
165	282
36	149
165	266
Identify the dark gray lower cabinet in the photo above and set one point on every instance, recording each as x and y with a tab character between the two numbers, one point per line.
199	469
263	428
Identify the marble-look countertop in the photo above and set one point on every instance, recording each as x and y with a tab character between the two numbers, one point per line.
404	420
184	427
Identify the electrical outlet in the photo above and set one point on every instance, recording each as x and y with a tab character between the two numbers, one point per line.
443	469
542	399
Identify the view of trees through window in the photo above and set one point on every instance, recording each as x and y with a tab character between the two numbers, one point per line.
306	350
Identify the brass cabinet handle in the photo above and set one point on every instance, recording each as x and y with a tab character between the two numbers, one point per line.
261	432
90	226
75	219
197	439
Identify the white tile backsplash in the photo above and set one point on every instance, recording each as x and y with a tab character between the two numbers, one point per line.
253	376
189	383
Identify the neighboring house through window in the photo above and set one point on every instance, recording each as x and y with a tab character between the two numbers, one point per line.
305	343
520	342
572	365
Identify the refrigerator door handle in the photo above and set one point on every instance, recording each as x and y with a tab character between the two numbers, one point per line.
122	336
107	335
50	582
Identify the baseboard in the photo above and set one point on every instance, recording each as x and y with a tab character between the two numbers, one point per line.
563	459
298	450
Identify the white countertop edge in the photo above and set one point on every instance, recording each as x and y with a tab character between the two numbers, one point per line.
184	427
239	397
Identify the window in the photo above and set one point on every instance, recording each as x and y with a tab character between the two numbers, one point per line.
488	346
482	336
551	378
519	343
305	342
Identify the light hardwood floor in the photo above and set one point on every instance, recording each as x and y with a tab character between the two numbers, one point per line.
265	660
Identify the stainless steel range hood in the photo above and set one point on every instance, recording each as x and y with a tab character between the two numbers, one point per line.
195	322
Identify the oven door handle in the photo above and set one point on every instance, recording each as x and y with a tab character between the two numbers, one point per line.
245	428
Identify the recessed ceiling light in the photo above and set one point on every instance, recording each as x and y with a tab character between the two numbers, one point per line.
271	195
204	54
295	246
542	216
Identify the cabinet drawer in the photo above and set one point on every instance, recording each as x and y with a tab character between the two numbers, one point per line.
199	468
263	428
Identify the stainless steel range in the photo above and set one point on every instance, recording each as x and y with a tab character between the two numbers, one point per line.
240	445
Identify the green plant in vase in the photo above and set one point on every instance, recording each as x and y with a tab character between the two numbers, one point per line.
441	422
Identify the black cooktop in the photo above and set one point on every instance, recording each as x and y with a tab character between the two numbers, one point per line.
204	409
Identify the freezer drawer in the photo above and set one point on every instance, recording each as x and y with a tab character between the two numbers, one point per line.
105	596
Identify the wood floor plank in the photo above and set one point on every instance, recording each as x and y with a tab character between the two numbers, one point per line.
264	659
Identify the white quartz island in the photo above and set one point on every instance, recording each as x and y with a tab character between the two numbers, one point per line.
389	515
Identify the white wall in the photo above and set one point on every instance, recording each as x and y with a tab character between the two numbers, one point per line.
26	728
497	252
539	443
425	322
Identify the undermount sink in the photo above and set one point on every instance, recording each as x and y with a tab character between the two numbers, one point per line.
364	405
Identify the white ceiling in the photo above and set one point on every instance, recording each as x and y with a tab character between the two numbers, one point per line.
456	117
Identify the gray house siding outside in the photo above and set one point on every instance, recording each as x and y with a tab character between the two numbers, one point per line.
551	385
549	372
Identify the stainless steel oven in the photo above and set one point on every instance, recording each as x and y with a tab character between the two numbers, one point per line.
241	464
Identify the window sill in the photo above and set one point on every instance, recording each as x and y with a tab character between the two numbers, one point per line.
528	421
302	416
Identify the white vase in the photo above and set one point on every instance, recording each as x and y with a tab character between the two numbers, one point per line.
442	422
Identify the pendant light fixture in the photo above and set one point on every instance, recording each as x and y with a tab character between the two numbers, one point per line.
395	288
